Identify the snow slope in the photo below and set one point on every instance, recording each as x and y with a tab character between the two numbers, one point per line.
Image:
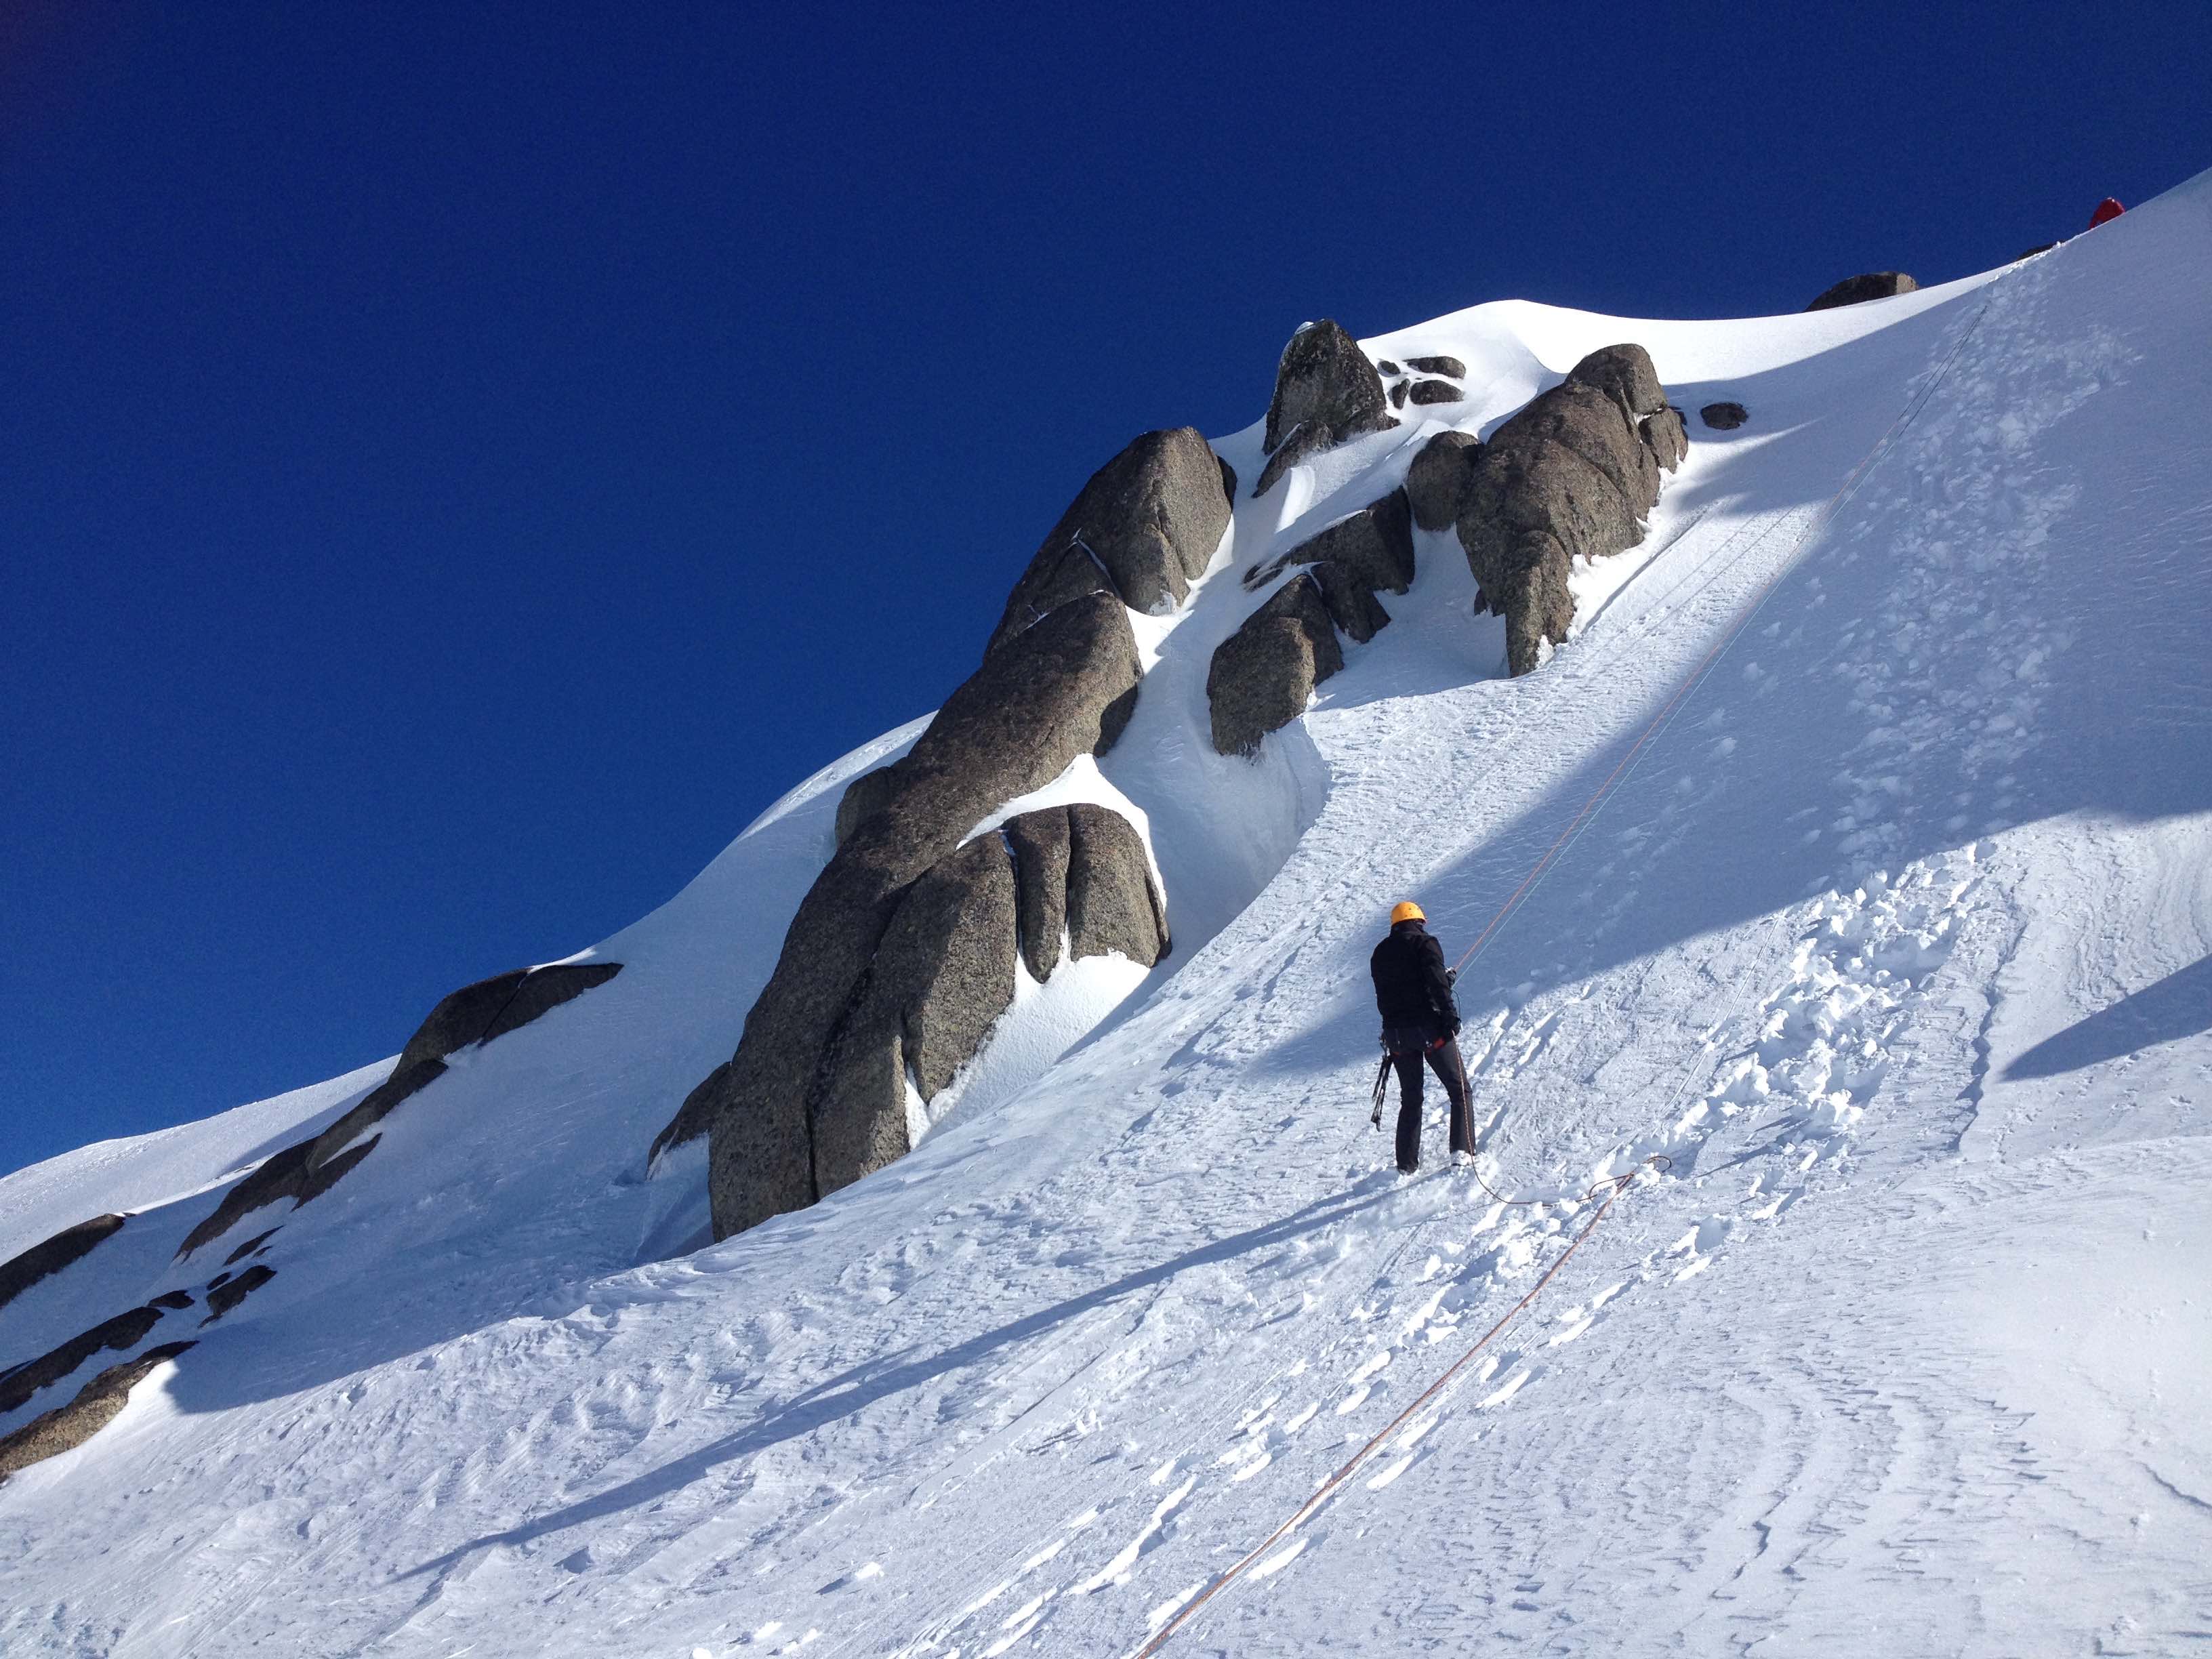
1891	934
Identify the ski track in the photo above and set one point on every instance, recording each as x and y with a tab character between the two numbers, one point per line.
1032	1389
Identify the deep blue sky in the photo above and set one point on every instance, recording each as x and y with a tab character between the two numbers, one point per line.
459	463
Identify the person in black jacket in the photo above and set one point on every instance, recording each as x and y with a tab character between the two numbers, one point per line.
1420	1021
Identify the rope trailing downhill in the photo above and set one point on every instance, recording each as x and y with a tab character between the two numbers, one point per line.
1614	1187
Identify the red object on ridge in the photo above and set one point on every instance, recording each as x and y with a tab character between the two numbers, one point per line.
2106	210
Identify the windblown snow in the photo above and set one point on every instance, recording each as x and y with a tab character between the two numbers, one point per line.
1892	934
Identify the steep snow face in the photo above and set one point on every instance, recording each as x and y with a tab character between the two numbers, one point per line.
1891	934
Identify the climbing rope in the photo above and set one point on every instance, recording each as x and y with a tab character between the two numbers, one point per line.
1821	519
1612	1187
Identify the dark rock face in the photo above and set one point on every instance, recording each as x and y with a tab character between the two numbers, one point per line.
1435	392
226	1294
1041	845
863	796
1451	368
1228	480
18	1274
1112	907
1571	475
1262	674
1724	417
125	1330
474	1014
1437	478
942	975
1062	687
1374	544
1398	394
1856	290
251	1246
172	1301
1325	391
493	1007
1143	529
97	1404
1667	435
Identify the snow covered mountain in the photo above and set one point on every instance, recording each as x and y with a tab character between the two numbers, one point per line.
1847	870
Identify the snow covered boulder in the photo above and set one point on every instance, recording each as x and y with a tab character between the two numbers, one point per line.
1571	476
1375	545
1263	675
125	1331
97	1404
492	1008
475	1014
1856	290
1325	391
20	1272
1724	417
1062	687
1143	529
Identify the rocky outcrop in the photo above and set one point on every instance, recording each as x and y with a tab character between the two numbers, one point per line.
1450	368
1263	675
1040	846
1062	686
1326	392
18	1274
1375	545
1435	392
944	972
226	1292
475	1014
942	975
1143	529
1437	478
863	796
97	1404
1858	290
1112	908
1571	476
252	1246
125	1330
1724	417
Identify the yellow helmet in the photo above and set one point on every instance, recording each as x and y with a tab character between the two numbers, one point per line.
1406	910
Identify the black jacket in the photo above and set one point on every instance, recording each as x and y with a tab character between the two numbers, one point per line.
1411	986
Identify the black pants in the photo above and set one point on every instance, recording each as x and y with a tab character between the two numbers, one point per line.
1446	1062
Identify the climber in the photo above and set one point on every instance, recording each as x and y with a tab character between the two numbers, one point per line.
1413	994
2107	210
